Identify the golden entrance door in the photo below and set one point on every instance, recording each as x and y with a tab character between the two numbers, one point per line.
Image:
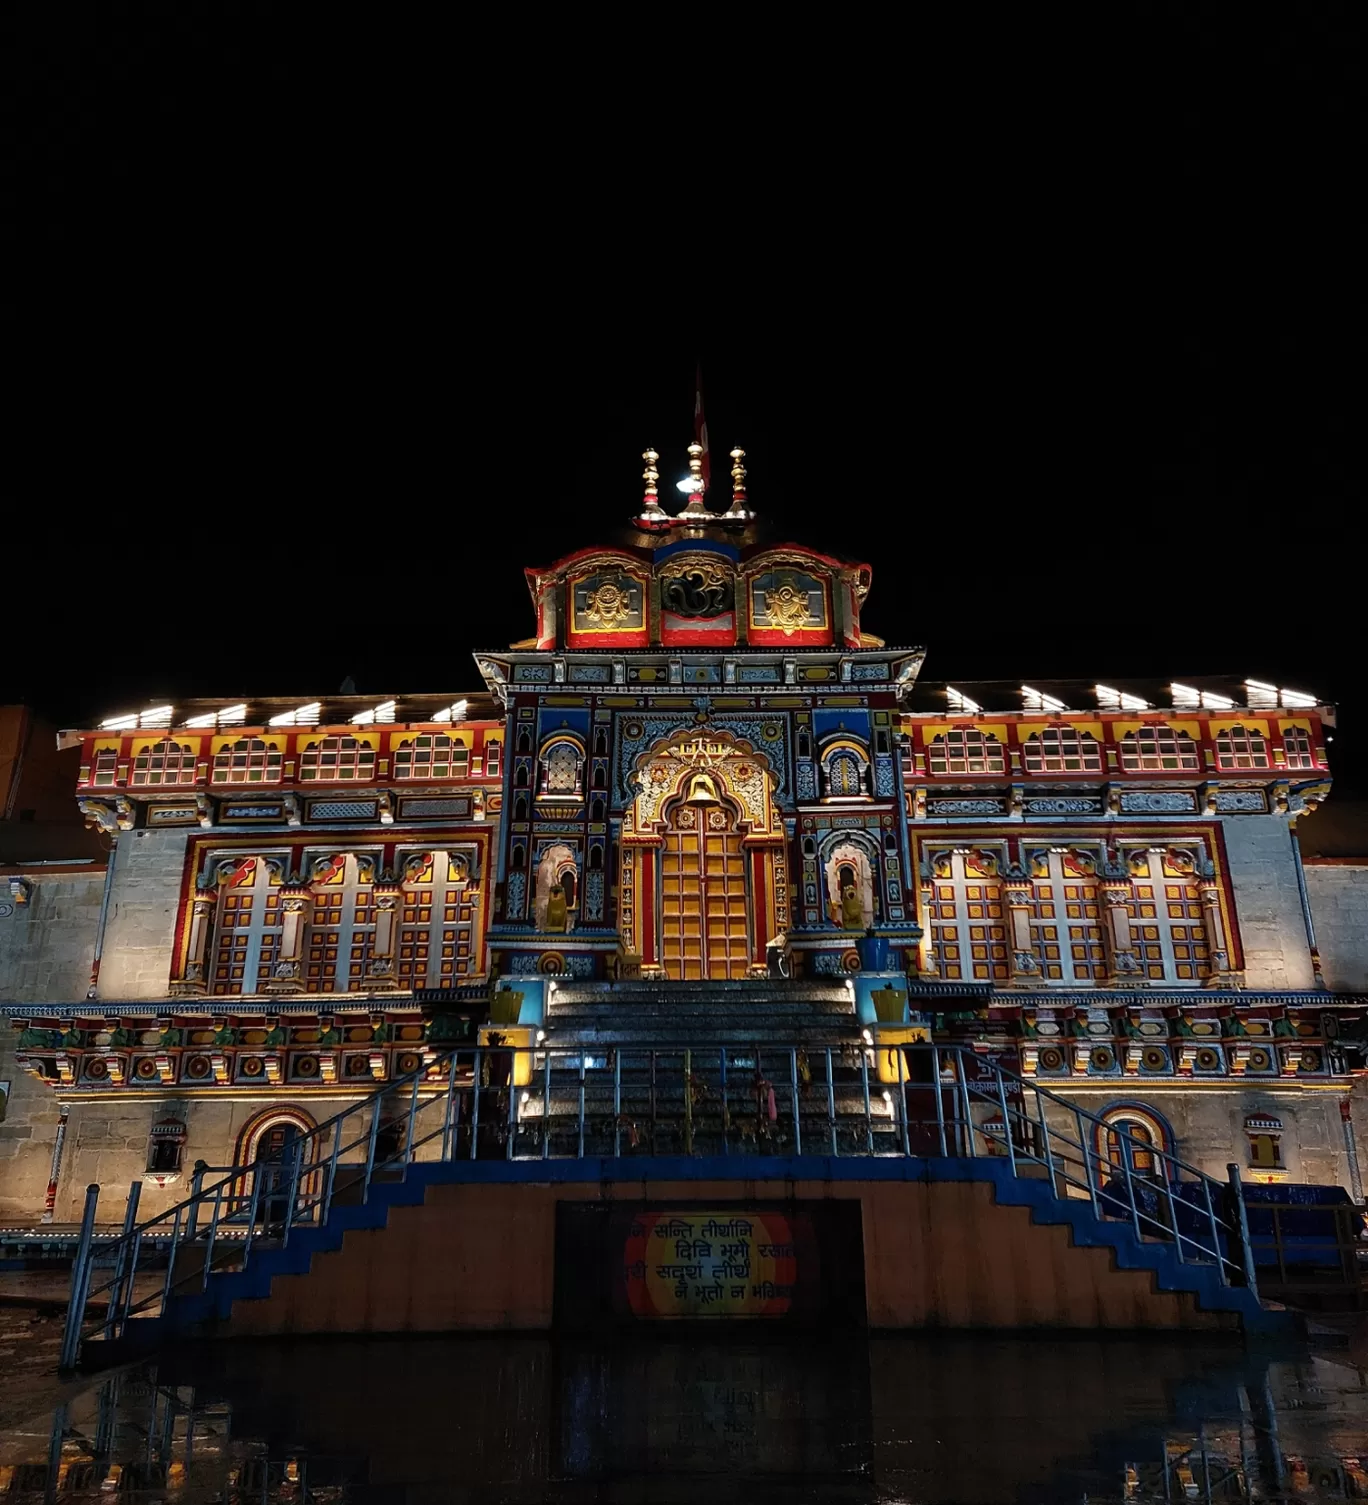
703	931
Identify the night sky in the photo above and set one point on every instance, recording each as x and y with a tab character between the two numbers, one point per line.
322	337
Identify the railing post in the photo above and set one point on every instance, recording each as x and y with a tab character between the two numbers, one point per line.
253	1212
408	1129
962	1080
448	1138
1128	1174
80	1280
962	1077
1161	1161
292	1202
546	1103
864	1083
376	1106
511	1118
121	1270
831	1103
940	1097
902	1100
196	1186
1045	1139
1006	1118
617	1103
722	1079
326	1208
214	1222
171	1263
475	1104
654	1146
793	1084
1222	1258
1088	1177
581	1104
1242	1227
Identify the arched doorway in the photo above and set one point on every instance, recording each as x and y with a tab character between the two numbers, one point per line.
704	929
271	1140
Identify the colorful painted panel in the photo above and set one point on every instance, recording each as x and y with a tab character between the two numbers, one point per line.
697	601
608	606
787	604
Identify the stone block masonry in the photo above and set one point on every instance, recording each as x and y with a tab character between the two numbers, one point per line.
1339	907
140	930
1268	904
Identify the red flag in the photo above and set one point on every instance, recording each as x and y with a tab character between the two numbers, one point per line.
701	425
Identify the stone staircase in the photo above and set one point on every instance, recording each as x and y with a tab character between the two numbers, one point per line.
753	1010
632	1049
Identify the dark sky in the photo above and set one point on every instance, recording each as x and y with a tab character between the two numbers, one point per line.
325	329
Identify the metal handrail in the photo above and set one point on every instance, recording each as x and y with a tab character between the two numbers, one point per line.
588	1102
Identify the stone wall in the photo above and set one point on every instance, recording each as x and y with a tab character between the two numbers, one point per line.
47	947
1339	907
1208	1125
149	867
1263	873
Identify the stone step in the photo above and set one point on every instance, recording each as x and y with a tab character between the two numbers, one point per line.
697	1008
764	988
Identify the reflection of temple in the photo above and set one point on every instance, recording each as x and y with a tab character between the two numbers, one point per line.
700	768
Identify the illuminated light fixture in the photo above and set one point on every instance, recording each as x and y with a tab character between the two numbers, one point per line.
1186	695
157	715
1118	700
302	715
867	1037
230	715
1268	697
962	703
382	712
455	712
1038	700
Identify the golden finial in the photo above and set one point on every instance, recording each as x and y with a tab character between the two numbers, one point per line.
738	512
696	507
651	510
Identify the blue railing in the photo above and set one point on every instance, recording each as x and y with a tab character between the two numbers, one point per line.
628	1101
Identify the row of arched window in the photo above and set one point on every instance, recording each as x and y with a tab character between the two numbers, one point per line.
252	760
1150	749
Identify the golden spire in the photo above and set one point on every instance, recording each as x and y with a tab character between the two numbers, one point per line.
738	512
652	513
696	507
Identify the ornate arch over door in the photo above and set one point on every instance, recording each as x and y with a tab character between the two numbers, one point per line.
703	875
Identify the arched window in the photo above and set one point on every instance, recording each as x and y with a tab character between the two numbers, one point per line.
1158	749
966	750
520	807
596	809
562	772
106	765
1297	747
433	755
335	760
1241	747
524	740
1264	1132
1146	1140
165	762
274	1137
601	742
493	750
845	772
1062	749
247	761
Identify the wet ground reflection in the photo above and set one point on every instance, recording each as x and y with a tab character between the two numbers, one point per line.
975	1419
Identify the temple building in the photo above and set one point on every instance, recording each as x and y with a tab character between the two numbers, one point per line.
700	769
